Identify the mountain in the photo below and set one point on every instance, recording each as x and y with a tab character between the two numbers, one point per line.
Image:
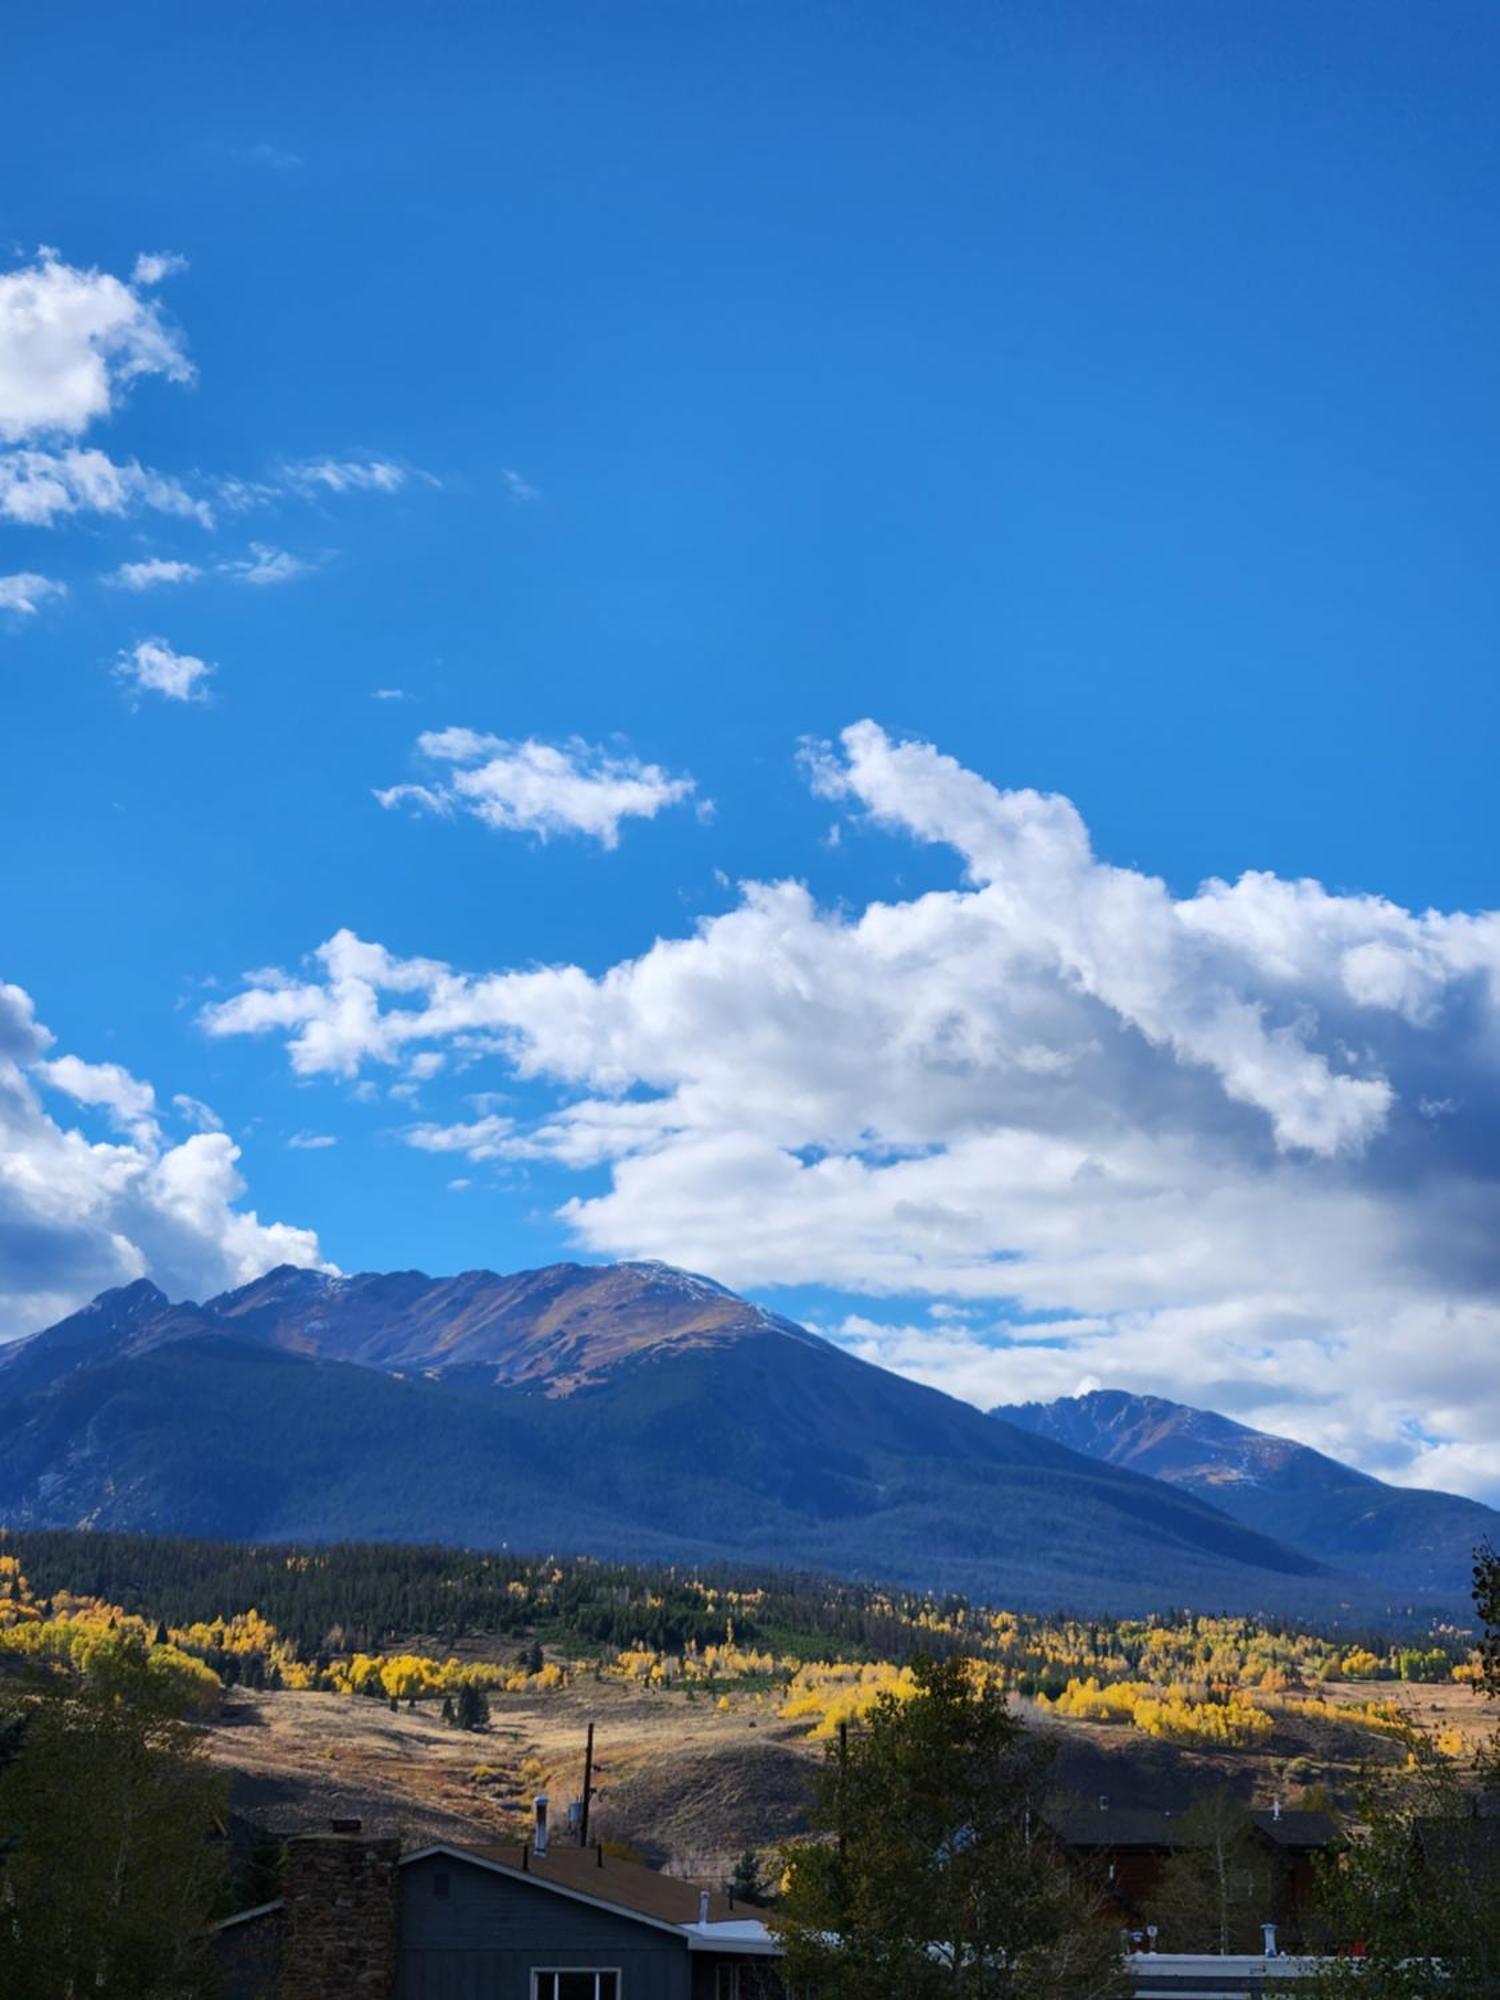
1404	1538
627	1410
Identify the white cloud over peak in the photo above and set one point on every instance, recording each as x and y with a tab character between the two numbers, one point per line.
26	592
152	573
541	788
151	666
1180	1143
73	340
79	1214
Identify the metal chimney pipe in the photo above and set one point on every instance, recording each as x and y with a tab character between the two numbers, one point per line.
1268	1936
703	1906
539	1837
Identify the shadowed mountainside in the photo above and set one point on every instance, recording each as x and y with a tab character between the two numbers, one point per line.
1402	1537
627	1410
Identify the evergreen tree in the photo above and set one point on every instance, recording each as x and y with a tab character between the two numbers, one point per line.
747	1884
472	1710
931	1884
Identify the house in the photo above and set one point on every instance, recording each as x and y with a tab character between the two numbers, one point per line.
362	1920
1126	1848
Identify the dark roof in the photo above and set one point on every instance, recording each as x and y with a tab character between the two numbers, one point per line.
627	1885
1298	1829
1117	1827
1114	1829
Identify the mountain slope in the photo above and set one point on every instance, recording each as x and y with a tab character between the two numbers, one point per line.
625	1411
1402	1537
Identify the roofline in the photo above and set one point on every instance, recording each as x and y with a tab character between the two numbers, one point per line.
541	1882
700	1938
697	1937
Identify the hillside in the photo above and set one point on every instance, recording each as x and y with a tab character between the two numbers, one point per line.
626	1411
1402	1537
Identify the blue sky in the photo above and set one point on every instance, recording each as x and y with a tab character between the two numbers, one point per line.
1100	399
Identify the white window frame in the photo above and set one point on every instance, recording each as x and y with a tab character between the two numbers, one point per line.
594	1972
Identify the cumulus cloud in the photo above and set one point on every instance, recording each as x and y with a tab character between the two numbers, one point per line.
72	341
26	592
1181	1143
78	1214
541	788
152	573
151	666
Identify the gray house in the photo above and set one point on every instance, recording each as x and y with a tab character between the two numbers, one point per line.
362	1920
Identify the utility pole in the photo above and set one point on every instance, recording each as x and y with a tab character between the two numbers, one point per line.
588	1788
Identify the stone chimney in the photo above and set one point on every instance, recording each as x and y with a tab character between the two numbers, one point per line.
340	1916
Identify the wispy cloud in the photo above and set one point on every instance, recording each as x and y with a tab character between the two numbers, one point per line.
389	694
37	488
152	573
267	565
311	1142
26	592
535	787
346	475
151	666
520	489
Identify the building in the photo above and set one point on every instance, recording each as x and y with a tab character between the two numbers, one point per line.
1126	1848
362	1920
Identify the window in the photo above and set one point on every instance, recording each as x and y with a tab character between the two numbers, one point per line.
564	1984
726	1982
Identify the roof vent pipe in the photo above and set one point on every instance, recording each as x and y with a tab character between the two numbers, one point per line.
1268	1938
703	1906
1104	1802
1276	1809
539	1837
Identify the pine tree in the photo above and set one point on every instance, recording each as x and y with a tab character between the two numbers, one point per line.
473	1710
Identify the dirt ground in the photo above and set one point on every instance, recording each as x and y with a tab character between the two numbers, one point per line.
689	1784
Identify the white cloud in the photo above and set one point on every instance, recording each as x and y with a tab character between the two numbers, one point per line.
349	475
37	488
26	592
152	573
152	666
266	565
484	1139
197	1113
1180	1143
541	788
130	1103
152	266
77	1215
72	341
311	1142
389	694
520	489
